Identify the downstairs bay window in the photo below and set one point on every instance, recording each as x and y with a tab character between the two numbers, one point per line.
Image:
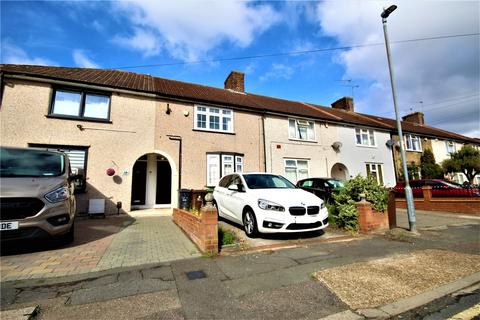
220	164
375	170
296	169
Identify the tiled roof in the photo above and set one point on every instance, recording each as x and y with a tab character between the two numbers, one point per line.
199	93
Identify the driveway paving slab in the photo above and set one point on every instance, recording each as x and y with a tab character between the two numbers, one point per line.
101	244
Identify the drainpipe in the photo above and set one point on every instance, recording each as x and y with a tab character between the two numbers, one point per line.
179	139
264	143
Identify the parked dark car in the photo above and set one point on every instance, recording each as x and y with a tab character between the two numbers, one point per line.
440	188
321	187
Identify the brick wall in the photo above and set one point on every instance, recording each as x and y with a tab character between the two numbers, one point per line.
202	229
452	204
369	219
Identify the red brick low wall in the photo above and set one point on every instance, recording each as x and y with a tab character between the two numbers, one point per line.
202	229
369	219
467	205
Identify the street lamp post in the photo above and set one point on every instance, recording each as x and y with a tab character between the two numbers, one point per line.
408	190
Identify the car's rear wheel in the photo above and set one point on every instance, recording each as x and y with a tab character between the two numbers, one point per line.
250	224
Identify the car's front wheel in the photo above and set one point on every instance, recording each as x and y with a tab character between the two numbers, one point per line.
250	224
68	237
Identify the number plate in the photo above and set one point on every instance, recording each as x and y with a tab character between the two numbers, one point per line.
12	225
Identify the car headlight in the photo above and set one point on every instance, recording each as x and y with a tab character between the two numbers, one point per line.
58	195
268	205
322	206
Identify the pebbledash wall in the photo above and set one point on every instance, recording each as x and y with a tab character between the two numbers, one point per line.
323	159
138	126
279	147
356	157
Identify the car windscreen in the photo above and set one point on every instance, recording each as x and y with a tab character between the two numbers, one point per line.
267	181
30	163
336	183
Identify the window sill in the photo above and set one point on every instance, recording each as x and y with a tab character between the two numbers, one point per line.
213	131
51	116
410	150
300	140
364	146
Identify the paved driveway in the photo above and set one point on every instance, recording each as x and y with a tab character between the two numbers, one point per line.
100	244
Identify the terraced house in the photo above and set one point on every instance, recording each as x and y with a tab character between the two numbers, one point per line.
139	139
420	136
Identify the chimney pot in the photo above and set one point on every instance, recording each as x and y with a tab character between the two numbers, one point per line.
345	103
235	81
415	117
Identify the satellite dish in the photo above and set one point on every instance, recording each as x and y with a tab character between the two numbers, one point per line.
337	145
390	143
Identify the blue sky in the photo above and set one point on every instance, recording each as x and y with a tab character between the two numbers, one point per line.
443	74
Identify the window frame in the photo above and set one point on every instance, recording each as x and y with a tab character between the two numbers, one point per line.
451	143
83	93
411	138
379	176
369	133
220	156
297	134
208	114
296	168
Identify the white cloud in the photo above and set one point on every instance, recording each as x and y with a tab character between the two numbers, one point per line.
144	41
188	30
82	60
16	55
278	71
430	71
98	26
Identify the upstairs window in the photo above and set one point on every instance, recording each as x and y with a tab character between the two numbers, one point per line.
365	137
413	143
450	147
301	129
80	104
213	119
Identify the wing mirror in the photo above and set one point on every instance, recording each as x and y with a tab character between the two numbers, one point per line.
78	174
233	187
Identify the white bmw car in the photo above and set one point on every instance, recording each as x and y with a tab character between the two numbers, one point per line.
268	203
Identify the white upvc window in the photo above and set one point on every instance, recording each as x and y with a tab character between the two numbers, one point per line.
213	169
238	164
365	137
219	165
413	143
450	145
296	169
227	164
375	170
301	129
213	119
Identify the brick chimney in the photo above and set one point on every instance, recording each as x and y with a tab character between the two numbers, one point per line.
345	103
416	117
235	81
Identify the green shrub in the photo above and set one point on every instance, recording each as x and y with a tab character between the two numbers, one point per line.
343	213
225	237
